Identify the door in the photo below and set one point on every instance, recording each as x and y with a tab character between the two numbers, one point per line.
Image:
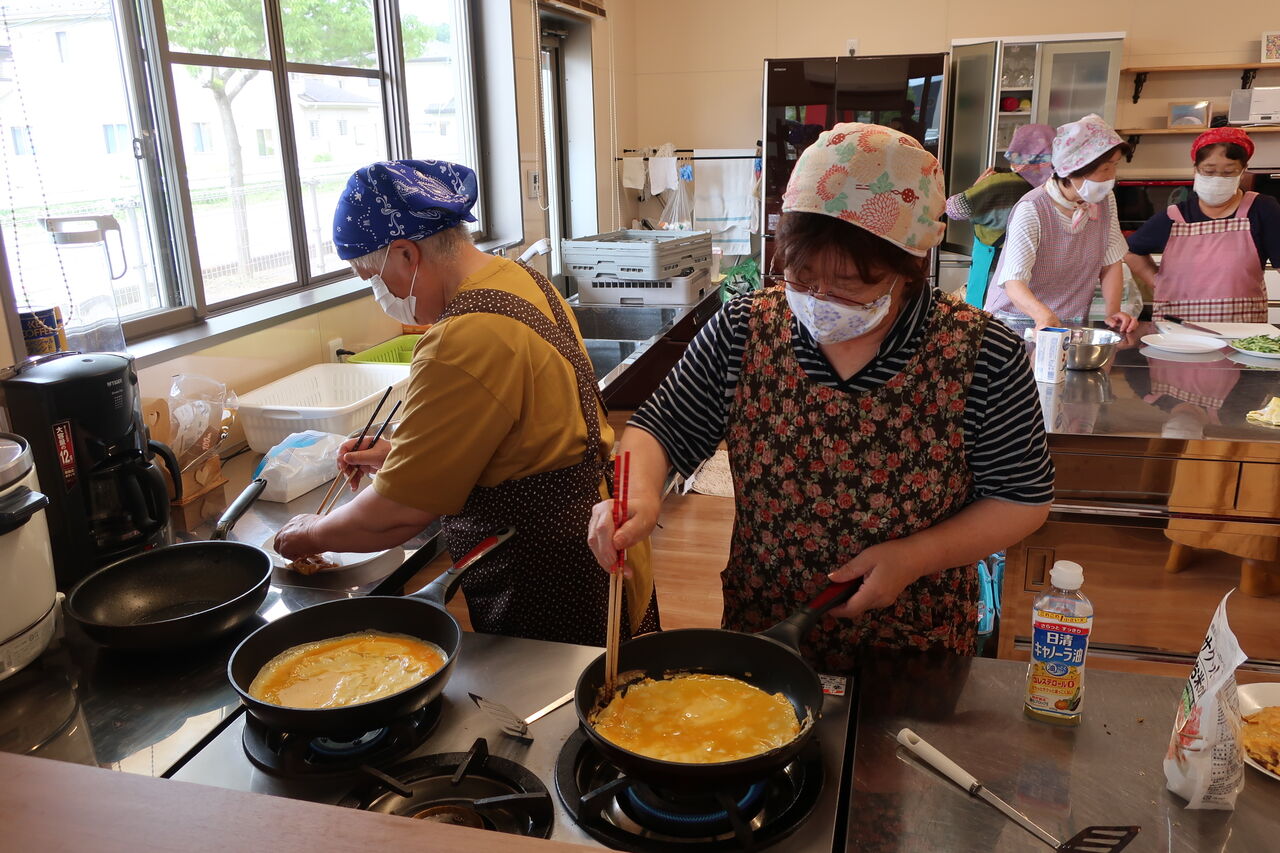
799	103
550	191
1077	78
973	84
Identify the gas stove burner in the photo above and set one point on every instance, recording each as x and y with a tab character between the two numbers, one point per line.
472	789
696	816
301	756
627	814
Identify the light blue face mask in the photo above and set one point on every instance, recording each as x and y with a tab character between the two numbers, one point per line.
403	309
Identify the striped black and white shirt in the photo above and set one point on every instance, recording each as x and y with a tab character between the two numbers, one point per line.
1004	437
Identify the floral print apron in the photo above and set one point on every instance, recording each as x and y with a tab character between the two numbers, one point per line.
821	473
545	584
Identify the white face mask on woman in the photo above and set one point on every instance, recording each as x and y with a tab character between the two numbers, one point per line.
400	308
1094	191
833	322
1215	190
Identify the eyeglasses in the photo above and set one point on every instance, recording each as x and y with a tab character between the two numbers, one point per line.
827	295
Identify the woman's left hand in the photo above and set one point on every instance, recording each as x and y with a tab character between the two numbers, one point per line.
295	538
1122	322
886	570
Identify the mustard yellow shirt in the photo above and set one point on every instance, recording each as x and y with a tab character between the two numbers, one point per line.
488	401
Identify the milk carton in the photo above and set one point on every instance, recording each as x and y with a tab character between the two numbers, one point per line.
1051	354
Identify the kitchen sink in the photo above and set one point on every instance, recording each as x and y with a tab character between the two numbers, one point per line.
623	322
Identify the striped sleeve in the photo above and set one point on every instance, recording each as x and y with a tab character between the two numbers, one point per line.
1021	243
688	413
1004	430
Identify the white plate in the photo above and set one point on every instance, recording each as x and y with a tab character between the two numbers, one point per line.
1184	357
1255	353
343	560
1184	343
1254	697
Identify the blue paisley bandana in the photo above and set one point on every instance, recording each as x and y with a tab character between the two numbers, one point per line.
401	199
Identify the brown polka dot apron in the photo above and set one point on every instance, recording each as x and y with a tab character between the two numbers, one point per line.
545	584
822	473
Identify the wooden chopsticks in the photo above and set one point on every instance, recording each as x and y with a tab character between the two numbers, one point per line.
621	480
325	505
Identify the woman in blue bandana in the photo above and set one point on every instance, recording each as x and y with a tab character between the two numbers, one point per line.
502	425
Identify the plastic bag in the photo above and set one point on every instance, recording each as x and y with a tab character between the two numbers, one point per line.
298	464
200	414
742	277
677	212
1205	761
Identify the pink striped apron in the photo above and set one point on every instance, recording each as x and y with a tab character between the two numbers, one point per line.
1210	270
1067	268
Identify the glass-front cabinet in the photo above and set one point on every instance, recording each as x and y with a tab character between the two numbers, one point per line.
998	86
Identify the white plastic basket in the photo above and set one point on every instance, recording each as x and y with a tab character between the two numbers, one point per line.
337	398
637	255
611	290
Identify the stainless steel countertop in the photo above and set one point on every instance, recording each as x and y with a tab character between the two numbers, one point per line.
1147	396
1106	771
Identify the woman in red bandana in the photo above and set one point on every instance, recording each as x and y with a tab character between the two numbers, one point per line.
1215	243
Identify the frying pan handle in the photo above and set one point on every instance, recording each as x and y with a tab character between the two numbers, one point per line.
791	630
441	590
238	508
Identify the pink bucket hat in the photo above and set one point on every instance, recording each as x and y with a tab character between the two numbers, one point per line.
1079	143
875	178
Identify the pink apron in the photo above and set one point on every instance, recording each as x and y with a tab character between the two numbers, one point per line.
1210	271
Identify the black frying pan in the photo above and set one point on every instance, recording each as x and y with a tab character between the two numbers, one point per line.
176	595
769	661
420	615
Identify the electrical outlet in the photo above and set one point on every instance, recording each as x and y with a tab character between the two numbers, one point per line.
851	45
335	344
535	184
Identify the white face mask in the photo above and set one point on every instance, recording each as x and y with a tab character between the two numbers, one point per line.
831	322
1094	191
400	308
1215	190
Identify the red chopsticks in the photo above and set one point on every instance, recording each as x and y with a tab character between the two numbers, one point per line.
621	481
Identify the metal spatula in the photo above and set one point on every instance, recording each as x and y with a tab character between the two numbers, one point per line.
511	724
1091	839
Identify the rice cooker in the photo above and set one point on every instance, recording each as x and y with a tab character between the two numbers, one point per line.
28	589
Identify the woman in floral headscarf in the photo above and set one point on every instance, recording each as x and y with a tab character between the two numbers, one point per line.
1214	243
1064	237
877	429
988	203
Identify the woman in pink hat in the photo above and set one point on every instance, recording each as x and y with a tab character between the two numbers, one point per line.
1063	237
1215	243
877	429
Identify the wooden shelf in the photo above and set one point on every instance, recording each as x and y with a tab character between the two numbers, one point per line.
1134	134
1248	70
1171	131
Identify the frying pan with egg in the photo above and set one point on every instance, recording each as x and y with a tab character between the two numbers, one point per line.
420	615
769	660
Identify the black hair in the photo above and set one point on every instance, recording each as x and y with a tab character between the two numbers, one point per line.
803	237
1230	150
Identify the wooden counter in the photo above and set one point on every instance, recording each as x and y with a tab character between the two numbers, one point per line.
56	806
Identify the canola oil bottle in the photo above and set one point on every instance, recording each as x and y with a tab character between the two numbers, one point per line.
1061	620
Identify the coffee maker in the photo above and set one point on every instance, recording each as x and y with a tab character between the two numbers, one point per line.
82	416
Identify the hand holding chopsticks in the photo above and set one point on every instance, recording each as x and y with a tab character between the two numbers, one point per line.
613	639
354	476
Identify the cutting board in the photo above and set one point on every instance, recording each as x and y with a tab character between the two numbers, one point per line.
1232	331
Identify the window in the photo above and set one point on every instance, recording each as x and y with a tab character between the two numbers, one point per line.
244	146
117	138
266	142
68	86
441	92
21	139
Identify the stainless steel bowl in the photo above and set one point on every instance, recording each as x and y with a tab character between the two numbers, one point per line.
1091	349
